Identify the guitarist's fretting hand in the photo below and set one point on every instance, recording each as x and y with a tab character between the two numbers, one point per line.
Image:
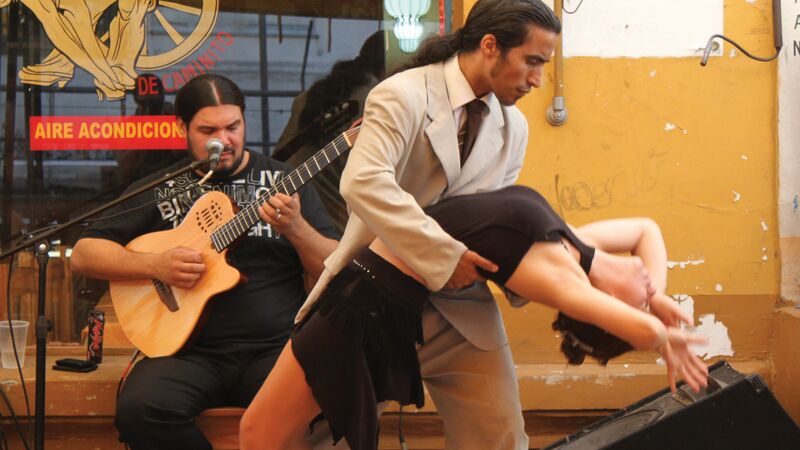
180	267
282	213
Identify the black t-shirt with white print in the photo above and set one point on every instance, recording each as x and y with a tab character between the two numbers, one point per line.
262	308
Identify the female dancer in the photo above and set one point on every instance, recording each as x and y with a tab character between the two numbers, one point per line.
356	347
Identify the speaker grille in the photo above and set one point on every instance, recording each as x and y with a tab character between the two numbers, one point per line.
616	430
735	413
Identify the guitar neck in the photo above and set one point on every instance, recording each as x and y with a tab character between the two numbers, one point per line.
225	235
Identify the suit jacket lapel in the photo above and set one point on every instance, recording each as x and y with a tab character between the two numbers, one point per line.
487	145
441	131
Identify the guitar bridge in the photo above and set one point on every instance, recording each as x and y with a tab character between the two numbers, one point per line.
166	295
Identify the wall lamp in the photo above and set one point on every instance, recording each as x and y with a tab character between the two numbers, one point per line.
407	27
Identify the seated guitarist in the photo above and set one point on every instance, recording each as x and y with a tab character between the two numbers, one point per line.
245	328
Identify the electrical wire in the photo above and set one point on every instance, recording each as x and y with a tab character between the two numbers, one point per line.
400	435
19	367
741	49
564	8
15	418
125	372
124	376
5	441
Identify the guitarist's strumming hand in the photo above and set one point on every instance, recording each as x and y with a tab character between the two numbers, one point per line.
180	267
282	213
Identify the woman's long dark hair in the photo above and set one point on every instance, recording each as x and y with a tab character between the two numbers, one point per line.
579	339
206	90
506	20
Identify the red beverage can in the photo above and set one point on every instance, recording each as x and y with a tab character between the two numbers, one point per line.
97	320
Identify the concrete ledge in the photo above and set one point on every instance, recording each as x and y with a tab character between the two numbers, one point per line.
549	387
67	394
557	400
422	431
592	387
556	387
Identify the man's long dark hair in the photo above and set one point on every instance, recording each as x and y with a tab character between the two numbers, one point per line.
206	90
507	20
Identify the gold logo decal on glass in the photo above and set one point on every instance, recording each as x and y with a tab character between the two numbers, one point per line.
114	58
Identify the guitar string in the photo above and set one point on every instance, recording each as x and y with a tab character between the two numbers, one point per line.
249	211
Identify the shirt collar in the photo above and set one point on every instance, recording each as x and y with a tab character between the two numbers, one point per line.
458	89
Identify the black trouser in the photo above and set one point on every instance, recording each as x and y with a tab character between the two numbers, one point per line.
162	396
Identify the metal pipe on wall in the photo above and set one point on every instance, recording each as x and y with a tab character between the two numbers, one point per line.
557	111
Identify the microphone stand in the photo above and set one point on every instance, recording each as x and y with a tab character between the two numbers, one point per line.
41	247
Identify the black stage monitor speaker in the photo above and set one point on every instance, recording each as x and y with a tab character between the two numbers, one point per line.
735	412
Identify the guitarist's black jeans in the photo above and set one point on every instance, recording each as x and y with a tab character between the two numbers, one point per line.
162	396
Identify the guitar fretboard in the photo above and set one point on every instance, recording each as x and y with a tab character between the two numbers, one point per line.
225	235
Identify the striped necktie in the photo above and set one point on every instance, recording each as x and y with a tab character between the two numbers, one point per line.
469	130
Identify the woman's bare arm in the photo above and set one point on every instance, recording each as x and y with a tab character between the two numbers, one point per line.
641	237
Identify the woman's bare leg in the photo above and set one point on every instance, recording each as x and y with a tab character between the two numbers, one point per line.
279	415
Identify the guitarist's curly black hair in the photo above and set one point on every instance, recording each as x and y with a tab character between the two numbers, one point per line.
579	339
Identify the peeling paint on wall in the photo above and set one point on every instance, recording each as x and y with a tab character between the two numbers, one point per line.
683	264
719	342
558	378
736	196
602	379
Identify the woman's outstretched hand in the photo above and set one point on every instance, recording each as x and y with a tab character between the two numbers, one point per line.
668	311
681	361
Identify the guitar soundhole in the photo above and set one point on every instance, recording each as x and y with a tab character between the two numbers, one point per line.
209	217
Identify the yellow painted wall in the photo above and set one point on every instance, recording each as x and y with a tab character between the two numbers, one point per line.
614	158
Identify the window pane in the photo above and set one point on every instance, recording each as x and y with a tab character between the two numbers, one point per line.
62	93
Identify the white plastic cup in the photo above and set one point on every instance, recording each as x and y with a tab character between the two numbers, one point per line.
20	328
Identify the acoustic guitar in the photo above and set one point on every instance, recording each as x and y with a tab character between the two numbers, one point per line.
157	318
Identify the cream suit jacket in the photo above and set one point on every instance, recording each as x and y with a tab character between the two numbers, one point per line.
406	157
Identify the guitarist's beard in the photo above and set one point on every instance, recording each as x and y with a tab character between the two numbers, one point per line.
221	173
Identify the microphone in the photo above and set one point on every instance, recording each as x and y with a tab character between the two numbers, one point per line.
214	147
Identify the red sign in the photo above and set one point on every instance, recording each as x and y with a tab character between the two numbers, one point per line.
106	133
